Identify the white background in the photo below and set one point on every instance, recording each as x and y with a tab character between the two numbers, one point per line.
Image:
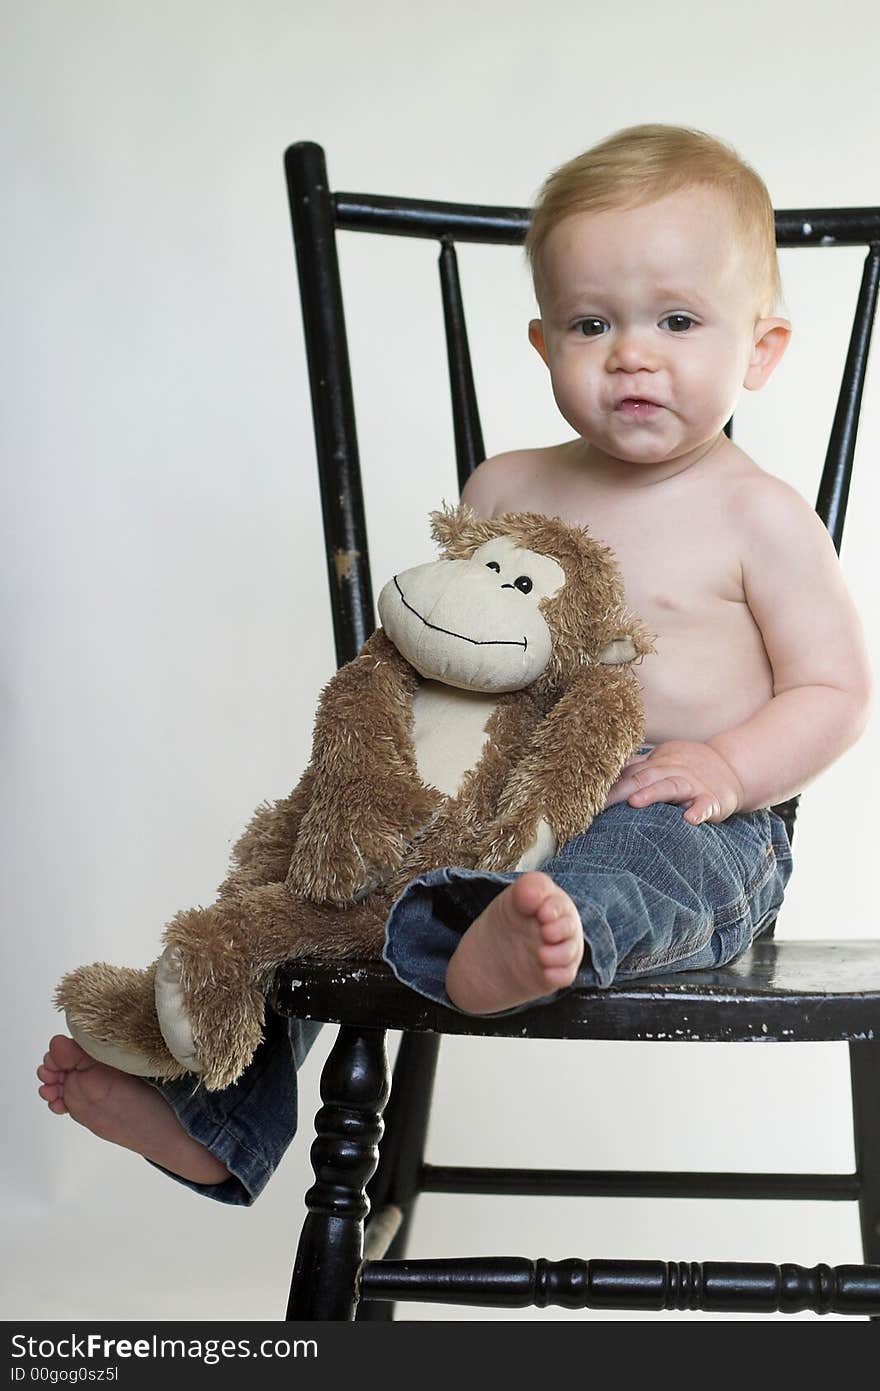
166	624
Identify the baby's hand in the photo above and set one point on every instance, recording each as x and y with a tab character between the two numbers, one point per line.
679	771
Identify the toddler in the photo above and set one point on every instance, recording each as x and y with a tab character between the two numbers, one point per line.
654	263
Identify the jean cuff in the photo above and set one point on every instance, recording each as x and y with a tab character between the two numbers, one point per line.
429	918
248	1171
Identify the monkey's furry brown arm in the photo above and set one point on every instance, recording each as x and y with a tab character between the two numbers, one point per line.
261	855
367	798
575	755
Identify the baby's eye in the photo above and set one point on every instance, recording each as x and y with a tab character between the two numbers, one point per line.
679	323
493	565
591	328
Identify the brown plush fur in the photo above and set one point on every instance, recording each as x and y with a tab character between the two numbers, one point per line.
103	994
316	873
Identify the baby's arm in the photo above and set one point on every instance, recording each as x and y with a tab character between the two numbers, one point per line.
797	595
821	675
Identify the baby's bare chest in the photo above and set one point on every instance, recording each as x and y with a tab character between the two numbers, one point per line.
678	574
679	553
679	550
683	578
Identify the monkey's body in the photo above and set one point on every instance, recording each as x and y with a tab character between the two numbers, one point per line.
407	774
449	732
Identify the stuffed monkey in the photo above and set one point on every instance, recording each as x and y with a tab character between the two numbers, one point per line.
482	726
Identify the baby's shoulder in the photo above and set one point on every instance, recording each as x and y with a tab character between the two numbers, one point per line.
502	482
766	510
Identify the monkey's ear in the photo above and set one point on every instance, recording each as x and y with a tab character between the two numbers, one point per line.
448	523
635	642
458	531
617	652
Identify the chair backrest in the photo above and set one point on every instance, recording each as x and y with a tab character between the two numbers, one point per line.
317	214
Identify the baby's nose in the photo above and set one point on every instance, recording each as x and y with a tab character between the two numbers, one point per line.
631	352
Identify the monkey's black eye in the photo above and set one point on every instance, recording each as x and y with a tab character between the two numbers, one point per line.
493	565
523	583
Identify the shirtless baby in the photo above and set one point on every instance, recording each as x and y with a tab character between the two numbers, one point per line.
655	271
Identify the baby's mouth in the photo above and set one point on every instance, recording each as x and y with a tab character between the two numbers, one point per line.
638	405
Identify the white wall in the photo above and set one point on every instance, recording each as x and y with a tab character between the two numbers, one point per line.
167	630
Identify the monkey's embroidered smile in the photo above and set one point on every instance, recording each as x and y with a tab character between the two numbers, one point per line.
447	616
479	642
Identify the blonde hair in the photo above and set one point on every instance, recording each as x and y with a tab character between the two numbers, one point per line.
642	163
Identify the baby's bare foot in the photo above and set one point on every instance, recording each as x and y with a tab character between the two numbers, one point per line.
527	943
121	1108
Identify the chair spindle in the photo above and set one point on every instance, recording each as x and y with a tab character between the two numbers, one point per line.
837	472
469	449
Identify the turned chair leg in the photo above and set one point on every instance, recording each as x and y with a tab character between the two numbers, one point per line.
354	1088
394	1187
864	1065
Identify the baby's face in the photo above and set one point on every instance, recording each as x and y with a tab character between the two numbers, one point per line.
649	325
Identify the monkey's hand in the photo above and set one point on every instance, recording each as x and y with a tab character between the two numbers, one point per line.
519	842
542	848
351	841
571	761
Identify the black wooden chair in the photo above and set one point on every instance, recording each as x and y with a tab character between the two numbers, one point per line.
350	1259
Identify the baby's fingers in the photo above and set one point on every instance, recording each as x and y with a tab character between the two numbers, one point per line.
703	808
668	789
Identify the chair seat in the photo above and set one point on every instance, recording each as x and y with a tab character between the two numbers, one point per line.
778	991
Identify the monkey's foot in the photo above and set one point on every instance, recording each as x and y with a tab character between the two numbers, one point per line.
209	1006
111	1013
171	1011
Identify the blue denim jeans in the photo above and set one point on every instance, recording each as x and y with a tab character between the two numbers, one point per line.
249	1125
654	893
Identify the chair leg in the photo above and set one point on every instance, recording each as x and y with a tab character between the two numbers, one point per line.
354	1089
864	1064
401	1154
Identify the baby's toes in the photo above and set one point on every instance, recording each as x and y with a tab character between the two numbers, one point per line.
53	1095
556	907
560	929
530	892
560	962
565	953
557	917
65	1055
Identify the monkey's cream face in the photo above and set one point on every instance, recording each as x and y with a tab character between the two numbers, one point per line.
475	623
